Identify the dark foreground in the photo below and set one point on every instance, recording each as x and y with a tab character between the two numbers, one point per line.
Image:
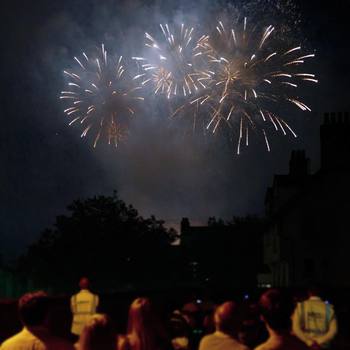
116	306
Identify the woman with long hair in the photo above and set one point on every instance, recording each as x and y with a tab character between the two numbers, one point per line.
144	331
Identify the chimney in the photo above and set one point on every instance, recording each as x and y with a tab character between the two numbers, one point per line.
298	164
185	225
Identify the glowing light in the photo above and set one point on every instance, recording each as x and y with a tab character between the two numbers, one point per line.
249	79
104	99
172	67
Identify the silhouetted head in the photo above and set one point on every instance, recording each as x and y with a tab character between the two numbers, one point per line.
84	283
314	291
33	309
225	317
98	334
276	309
178	325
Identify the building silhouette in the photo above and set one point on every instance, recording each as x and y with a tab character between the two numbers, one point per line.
222	254
307	235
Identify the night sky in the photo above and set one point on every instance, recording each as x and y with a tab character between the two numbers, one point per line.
45	164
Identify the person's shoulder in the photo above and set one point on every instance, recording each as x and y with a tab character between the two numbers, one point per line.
266	345
17	339
298	307
317	301
239	346
242	347
75	295
261	347
205	340
208	337
88	292
9	342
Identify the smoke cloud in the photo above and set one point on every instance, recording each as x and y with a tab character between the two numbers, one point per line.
162	169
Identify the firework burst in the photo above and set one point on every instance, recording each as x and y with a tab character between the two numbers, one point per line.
251	78
100	96
173	64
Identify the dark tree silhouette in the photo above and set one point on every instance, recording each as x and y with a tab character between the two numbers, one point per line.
102	238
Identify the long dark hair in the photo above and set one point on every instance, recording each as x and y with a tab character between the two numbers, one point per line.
144	328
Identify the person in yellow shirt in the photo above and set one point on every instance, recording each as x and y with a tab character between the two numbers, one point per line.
314	321
34	312
83	306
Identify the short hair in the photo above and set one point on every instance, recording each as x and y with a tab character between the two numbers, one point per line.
276	307
84	283
225	317
33	308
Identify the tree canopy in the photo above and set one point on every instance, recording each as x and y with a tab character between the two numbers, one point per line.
104	238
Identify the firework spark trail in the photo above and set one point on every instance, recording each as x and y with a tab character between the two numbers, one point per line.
174	69
100	96
249	77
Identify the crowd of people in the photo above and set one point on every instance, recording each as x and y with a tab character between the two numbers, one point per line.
276	322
